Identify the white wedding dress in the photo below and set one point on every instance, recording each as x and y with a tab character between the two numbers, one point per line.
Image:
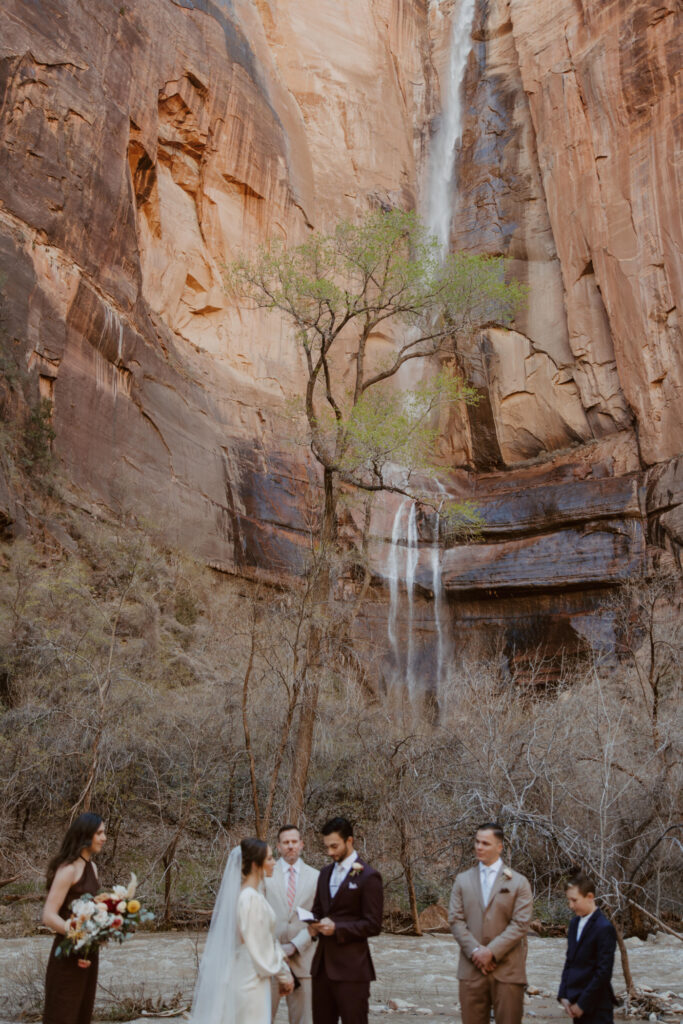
258	958
240	957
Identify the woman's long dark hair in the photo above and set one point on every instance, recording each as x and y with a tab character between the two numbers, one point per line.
254	851
78	836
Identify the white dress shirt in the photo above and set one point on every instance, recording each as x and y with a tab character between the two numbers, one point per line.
487	877
340	871
583	921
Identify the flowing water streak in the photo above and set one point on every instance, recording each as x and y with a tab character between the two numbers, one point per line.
437	590
411	566
438	219
442	151
441	195
394	575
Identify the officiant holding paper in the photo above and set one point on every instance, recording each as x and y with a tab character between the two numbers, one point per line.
291	892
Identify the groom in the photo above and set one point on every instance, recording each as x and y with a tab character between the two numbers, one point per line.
348	907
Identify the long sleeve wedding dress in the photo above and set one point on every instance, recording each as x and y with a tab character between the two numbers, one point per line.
258	958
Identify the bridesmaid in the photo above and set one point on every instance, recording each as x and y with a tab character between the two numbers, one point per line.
70	982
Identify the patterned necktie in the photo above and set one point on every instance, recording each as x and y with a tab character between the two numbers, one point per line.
291	887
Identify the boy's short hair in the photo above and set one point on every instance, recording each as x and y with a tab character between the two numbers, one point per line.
581	881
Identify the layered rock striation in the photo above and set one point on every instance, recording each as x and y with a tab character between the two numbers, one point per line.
146	144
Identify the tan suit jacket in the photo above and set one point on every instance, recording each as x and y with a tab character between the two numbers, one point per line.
501	925
288	927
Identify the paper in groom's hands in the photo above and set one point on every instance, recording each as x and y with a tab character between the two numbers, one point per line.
305	915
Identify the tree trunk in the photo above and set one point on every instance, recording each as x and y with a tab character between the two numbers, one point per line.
412	898
303	744
168	861
625	965
328	525
247	733
303	747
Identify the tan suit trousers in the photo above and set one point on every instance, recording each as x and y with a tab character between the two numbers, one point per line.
299	1002
478	995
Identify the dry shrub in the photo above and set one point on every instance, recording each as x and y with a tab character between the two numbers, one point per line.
23	989
133	1002
124	682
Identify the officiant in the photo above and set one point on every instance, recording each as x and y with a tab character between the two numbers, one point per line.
292	887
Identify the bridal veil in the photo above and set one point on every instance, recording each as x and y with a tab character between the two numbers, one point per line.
214	994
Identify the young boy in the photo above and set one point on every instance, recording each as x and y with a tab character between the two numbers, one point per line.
586	985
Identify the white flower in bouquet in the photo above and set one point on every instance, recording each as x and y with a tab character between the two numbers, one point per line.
83	909
121	891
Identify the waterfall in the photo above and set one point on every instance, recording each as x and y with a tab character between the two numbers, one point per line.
396	576
442	151
438	220
411	565
394	580
437	590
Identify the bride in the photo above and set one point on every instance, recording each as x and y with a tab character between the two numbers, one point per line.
242	953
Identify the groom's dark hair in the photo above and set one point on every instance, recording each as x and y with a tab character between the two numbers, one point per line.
342	826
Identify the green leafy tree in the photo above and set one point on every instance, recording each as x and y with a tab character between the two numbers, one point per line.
364	301
345	290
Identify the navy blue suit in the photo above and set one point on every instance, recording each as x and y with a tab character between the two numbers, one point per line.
587	973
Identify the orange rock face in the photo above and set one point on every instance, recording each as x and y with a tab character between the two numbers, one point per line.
145	144
605	106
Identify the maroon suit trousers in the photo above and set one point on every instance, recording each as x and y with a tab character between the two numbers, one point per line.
340	1000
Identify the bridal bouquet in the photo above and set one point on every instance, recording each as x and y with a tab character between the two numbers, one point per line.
95	920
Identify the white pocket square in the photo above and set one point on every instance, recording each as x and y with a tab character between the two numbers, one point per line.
352	885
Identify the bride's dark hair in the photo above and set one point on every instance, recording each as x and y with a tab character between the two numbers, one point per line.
78	836
254	852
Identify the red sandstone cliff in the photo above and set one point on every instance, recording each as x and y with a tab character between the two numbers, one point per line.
144	143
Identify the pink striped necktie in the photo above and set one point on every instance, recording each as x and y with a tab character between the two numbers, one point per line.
291	887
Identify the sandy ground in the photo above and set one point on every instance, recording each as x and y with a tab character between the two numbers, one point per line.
421	972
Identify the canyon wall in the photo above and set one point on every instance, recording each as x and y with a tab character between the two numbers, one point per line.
145	144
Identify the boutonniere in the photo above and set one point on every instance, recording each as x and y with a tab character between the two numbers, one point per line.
507	873
356	869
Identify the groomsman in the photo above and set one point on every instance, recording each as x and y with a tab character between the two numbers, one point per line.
489	913
293	884
348	908
586	985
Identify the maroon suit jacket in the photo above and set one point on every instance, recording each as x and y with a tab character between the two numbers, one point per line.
357	913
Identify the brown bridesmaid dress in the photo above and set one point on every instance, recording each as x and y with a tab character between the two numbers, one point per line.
70	989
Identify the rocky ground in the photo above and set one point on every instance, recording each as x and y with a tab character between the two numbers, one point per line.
417	976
